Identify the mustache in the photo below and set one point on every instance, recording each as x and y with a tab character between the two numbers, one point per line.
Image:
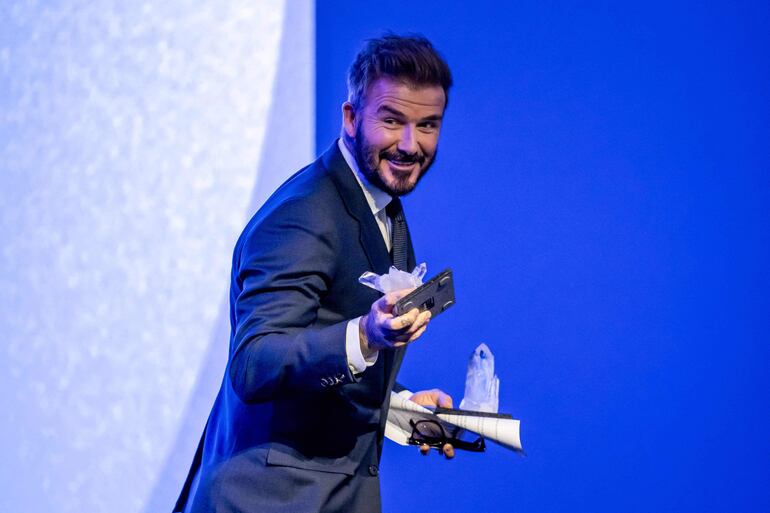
403	157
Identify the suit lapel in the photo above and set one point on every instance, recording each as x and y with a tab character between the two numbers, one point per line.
356	205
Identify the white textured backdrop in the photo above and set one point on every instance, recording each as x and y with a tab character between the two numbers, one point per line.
131	135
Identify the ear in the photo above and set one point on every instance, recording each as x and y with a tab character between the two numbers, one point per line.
349	119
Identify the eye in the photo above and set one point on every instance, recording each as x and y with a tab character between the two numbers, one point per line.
428	126
390	121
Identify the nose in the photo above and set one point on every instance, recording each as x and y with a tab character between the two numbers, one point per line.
408	141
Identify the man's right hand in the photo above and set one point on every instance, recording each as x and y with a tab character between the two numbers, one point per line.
379	329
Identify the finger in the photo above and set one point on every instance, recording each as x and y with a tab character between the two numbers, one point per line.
421	320
385	303
400	324
408	334
391	298
443	400
402	339
417	334
449	451
423	398
424	449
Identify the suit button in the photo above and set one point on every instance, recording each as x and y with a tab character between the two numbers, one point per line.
373	470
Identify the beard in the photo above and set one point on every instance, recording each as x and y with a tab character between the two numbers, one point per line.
368	159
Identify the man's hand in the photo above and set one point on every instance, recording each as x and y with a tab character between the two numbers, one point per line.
379	329
434	398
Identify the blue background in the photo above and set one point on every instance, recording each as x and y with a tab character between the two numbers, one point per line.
602	196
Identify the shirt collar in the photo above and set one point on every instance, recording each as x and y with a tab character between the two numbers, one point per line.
375	197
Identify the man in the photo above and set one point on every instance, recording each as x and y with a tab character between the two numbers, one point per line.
298	423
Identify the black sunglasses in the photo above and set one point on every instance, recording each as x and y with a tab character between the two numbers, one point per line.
432	433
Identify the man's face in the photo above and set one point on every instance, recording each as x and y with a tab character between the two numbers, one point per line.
394	133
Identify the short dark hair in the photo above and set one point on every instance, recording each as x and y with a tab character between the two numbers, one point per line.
411	59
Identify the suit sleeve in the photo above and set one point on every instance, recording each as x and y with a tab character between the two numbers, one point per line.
285	266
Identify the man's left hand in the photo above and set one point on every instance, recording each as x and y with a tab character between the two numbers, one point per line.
434	398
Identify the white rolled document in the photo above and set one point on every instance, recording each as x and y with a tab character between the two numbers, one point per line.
499	428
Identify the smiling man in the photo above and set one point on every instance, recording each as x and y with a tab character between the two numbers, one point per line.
393	132
298	423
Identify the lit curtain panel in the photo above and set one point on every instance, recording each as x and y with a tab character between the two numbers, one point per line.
136	138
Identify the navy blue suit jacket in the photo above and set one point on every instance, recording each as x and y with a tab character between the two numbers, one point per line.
292	429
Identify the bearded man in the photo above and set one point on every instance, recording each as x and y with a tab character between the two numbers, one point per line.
298	423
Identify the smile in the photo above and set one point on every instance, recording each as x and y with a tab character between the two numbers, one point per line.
402	166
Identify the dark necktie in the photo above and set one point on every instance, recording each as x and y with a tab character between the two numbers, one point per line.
398	234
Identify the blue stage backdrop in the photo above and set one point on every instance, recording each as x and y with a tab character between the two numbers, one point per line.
602	195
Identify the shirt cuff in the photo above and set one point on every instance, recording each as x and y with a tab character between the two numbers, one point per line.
356	361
